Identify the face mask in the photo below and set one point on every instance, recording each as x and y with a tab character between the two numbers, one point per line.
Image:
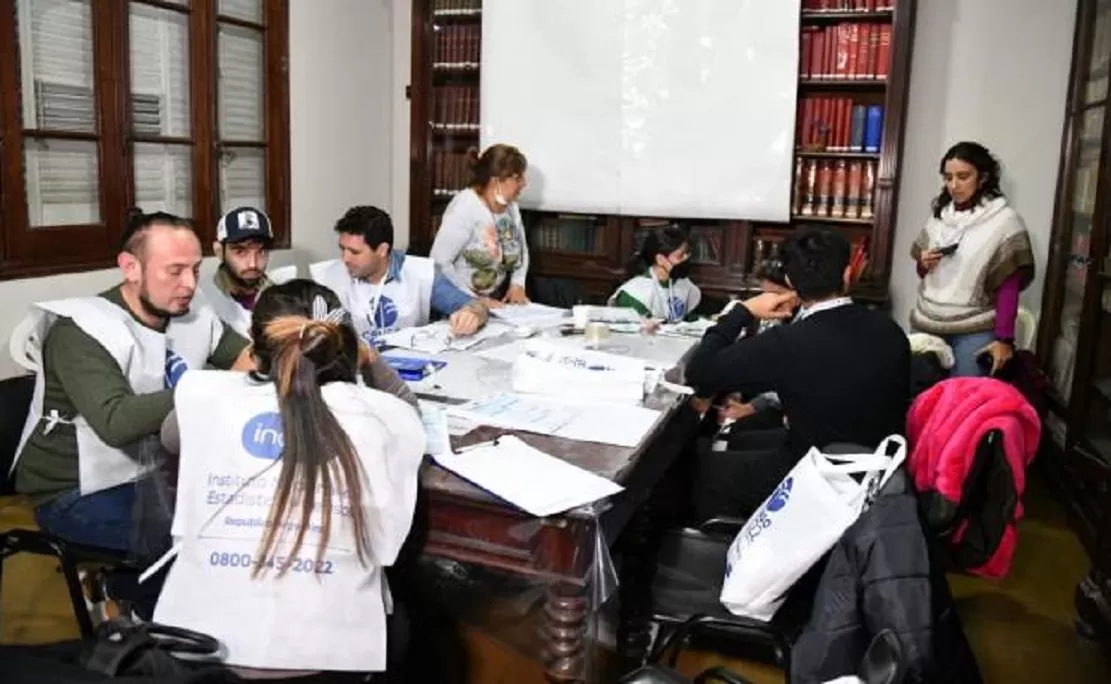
680	271
498	197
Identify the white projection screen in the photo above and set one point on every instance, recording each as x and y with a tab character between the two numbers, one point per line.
671	108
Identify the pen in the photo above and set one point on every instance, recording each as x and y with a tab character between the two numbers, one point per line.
463	450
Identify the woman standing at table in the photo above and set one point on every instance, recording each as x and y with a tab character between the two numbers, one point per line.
481	241
660	287
974	258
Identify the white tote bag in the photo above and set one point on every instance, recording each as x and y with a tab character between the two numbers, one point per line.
801	520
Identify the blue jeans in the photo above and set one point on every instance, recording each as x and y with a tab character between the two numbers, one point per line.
102	519
964	352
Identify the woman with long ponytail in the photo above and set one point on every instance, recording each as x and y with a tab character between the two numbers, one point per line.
297	487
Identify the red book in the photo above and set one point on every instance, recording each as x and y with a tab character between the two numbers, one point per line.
854	51
873	49
825	185
806	134
862	52
828	111
817	52
831	52
852	189
846	123
841	70
883	55
804	53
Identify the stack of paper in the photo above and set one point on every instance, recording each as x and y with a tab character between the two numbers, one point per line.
552	369
531	315
436	338
695	329
528	478
606	314
582	420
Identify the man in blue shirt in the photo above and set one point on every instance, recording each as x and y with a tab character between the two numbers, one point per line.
386	290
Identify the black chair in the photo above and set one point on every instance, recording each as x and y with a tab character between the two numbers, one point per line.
686	598
15	402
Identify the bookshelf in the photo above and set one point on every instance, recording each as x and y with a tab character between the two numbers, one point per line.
1074	336
853	77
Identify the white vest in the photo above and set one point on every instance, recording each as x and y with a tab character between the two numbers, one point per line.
141	354
951	297
227	308
326	615
379	309
670	303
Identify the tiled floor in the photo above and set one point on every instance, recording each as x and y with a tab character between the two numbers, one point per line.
1021	628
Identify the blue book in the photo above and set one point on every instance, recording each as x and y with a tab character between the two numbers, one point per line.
873	128
413	369
856	129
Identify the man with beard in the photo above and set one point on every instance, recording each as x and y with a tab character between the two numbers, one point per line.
243	240
106	368
386	290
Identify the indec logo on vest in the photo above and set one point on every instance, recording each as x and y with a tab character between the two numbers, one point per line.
262	436
386	314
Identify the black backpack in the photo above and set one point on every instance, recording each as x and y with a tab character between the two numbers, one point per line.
123	652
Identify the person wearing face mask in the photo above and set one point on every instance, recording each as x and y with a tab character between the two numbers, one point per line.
974	258
243	241
659	287
481	244
106	366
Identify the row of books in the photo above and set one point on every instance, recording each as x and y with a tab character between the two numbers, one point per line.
456	7
837	124
834	189
458	46
819	6
852	51
564	235
455	108
450	172
767	250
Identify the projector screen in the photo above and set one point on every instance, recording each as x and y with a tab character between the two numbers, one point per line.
646	107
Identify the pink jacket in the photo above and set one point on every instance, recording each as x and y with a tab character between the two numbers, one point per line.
972	489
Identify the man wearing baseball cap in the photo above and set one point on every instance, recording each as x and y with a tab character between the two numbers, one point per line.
243	240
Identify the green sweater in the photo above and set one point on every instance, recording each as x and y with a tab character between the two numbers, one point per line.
82	378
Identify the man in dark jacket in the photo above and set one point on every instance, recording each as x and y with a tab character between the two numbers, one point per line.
883	575
841	371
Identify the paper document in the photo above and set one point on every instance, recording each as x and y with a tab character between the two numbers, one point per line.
436	338
544	367
605	314
434	417
655	351
695	329
585	421
531	315
535	482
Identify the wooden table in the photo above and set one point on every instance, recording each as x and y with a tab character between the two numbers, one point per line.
470	526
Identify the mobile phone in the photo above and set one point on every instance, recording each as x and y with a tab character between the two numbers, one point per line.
947	249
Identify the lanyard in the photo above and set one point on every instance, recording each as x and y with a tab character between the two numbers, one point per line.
668	295
375	298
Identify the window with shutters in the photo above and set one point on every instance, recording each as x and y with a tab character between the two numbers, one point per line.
173	105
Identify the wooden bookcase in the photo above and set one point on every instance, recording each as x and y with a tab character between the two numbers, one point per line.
1074	336
847	71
